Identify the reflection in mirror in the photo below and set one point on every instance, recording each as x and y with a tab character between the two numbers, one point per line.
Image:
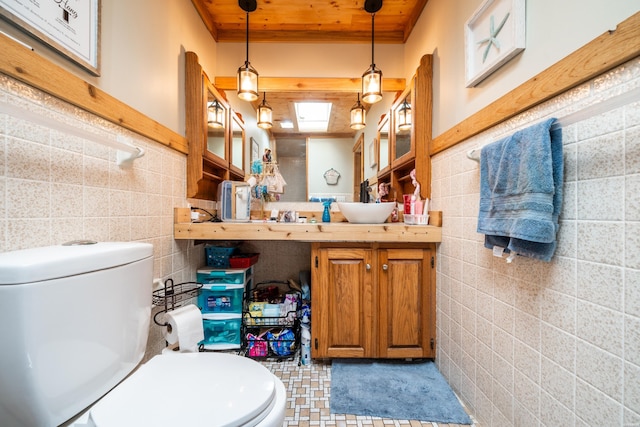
292	163
215	126
215	114
383	141
403	128
237	142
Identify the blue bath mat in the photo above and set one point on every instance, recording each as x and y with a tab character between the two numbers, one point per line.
394	389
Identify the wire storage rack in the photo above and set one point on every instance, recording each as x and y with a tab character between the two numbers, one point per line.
172	296
271	325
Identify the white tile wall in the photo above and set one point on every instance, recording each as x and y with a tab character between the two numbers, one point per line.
549	344
56	187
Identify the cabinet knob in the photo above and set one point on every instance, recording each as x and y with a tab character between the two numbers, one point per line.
368	267
385	267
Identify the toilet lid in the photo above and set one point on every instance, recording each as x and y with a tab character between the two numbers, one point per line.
190	389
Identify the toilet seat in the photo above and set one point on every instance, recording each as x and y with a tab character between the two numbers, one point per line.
194	389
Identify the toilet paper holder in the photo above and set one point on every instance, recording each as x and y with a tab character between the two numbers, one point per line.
172	296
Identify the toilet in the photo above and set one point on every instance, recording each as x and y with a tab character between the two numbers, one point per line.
75	320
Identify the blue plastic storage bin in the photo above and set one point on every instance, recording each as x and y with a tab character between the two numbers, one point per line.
221	298
220	277
218	257
222	332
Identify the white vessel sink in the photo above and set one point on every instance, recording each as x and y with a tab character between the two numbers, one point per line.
366	213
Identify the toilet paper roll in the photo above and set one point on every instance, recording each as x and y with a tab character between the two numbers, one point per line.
184	327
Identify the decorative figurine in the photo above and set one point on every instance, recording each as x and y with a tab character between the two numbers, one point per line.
266	157
383	192
414	181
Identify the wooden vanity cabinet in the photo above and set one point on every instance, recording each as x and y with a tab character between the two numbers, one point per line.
373	300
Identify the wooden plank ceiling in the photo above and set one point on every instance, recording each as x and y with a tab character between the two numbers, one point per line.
310	21
335	21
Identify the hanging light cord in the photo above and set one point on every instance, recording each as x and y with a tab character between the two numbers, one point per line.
373	17
247	61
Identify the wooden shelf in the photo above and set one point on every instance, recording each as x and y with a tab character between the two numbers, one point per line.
308	232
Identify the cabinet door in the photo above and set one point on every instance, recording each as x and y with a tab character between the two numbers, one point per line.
343	301
406	303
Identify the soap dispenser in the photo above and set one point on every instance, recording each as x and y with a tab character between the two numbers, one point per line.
326	215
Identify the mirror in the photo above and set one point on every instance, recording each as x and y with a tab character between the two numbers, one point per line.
403	128
402	115
383	143
237	141
216	118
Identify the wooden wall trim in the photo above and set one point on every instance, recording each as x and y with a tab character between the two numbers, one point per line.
605	52
30	68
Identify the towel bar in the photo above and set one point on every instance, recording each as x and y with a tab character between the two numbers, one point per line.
584	113
125	155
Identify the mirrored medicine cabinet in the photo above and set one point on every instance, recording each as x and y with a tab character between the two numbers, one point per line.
404	133
215	133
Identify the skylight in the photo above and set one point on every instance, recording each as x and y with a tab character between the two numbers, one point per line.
313	116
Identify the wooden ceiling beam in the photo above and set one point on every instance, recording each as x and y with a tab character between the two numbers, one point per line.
308	36
311	84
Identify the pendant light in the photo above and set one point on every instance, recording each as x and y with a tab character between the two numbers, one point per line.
372	78
247	83
404	116
358	115
215	114
265	114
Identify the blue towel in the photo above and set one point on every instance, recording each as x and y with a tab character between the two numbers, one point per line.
521	180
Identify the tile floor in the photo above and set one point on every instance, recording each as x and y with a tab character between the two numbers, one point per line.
308	389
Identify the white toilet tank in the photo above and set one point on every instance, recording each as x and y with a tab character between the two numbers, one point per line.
74	321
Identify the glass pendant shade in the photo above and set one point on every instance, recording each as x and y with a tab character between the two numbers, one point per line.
358	114
372	85
215	115
247	82
265	114
404	116
372	78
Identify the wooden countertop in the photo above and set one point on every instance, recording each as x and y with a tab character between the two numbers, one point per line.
308	232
